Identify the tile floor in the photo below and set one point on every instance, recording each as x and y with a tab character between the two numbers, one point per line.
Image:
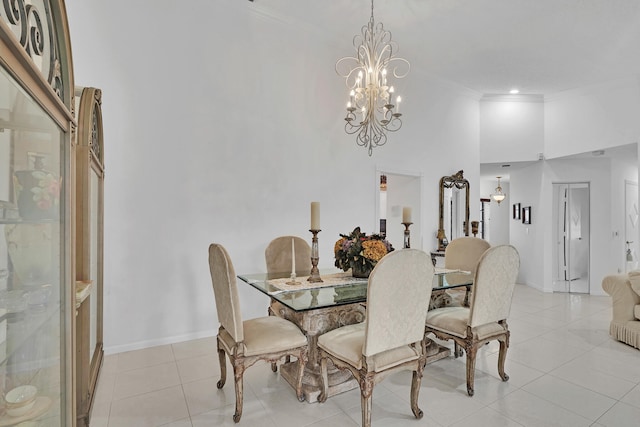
564	370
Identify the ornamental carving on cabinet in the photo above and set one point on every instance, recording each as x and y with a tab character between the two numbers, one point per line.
94	141
31	23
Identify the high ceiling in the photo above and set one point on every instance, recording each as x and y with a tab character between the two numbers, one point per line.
490	46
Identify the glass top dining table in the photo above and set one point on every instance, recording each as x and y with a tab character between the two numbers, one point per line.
337	288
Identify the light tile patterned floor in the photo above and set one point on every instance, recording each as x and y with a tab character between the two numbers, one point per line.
564	370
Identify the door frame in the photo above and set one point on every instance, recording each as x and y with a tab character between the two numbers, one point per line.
556	237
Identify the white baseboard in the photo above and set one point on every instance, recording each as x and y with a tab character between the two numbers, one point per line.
156	342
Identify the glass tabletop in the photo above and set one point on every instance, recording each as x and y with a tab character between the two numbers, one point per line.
338	288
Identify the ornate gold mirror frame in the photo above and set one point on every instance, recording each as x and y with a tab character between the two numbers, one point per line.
454	181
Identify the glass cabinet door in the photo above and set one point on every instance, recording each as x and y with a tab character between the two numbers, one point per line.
32	325
89	182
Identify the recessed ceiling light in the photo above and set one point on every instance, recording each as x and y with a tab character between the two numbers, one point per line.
514	91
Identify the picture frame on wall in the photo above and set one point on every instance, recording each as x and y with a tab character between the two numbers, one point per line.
526	215
516	211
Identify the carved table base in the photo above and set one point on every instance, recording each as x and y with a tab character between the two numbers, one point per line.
315	323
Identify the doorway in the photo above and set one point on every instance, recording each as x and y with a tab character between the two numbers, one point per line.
571	228
403	190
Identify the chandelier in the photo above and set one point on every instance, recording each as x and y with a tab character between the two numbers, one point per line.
498	196
371	111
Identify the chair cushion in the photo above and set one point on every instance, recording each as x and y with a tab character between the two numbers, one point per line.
270	334
454	321
636	311
346	343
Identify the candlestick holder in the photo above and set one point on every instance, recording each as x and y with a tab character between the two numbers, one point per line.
474	228
293	280
314	277
407	235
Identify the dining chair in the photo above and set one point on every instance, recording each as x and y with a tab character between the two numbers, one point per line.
245	342
392	336
463	253
278	255
485	319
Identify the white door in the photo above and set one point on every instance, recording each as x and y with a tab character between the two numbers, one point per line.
571	228
631	225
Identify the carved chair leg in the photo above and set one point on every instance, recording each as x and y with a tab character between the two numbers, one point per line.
324	379
366	392
415	390
502	357
223	368
302	361
471	367
238	372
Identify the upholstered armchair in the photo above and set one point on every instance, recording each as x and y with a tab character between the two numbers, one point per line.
278	255
245	342
392	336
625	297
486	318
463	253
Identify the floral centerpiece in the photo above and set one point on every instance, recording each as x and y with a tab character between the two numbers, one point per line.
360	252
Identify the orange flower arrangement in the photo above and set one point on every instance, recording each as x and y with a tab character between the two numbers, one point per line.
359	251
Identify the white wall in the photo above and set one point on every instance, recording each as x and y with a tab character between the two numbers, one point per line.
223	127
511	128
621	170
526	186
592	118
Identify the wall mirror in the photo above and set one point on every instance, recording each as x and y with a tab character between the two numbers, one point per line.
454	209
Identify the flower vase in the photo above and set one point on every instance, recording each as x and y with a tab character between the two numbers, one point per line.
37	194
360	270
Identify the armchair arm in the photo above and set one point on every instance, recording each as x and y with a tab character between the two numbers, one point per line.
624	299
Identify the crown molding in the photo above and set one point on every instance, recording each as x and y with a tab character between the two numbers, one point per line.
512	98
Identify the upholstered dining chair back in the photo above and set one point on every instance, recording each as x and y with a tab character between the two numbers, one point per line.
397	300
493	285
463	253
278	255
225	289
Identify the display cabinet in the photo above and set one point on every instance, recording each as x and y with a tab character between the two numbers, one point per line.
89	247
37	322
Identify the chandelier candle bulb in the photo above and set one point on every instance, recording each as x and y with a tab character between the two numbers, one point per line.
315	215
398	100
